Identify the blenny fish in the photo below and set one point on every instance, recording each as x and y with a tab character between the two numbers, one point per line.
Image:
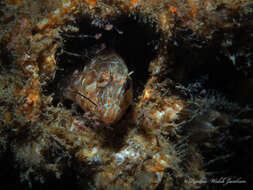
104	87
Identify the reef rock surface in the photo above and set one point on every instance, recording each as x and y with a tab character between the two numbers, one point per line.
190	122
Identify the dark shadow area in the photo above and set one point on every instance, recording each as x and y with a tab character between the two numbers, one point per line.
135	42
231	159
225	62
6	59
10	178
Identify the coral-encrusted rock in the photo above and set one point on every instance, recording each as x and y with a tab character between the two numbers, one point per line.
173	123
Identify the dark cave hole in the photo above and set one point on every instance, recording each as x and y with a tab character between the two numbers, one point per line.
212	68
6	59
135	42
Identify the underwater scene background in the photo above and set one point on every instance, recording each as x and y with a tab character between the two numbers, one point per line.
129	95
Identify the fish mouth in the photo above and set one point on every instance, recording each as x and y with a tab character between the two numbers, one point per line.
80	94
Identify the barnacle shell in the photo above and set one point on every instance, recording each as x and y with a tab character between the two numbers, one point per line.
106	84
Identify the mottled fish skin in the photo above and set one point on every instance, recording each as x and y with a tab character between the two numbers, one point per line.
106	82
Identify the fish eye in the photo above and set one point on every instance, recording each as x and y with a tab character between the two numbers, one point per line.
104	80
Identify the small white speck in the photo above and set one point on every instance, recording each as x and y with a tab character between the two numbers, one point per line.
29	67
94	151
66	4
163	162
44	21
159	176
177	106
35	75
27	56
119	158
159	115
57	11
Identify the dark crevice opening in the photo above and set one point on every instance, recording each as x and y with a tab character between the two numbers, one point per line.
225	69
135	42
6	59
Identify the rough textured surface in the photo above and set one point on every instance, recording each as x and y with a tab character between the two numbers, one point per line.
191	118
